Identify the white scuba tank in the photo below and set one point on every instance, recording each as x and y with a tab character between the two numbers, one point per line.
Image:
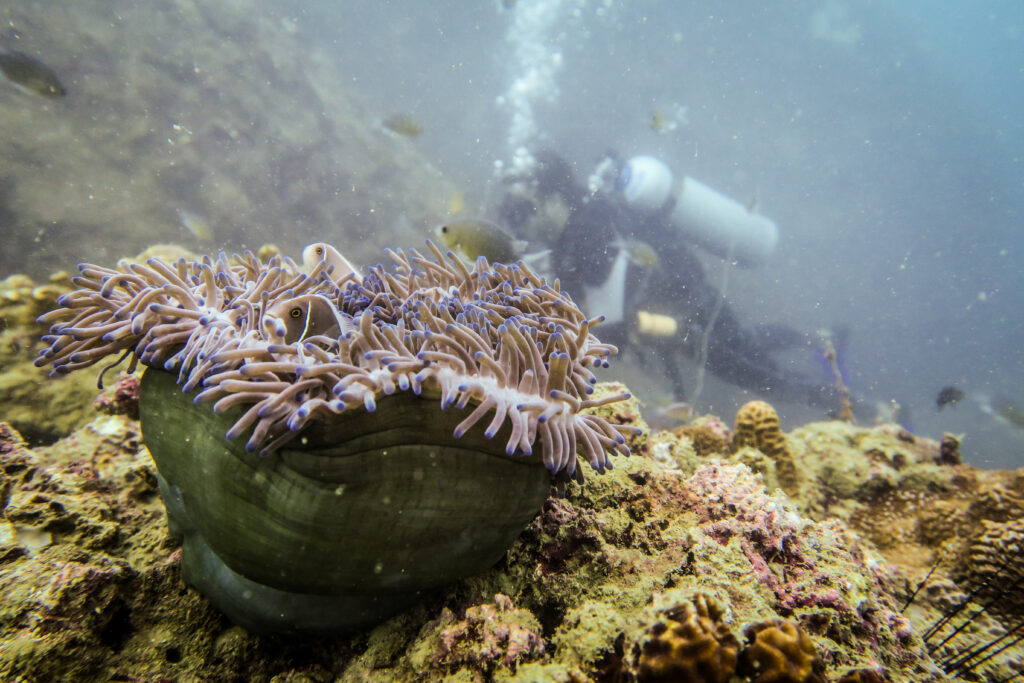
711	220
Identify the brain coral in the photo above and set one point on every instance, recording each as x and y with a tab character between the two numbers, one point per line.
689	643
992	563
778	651
757	426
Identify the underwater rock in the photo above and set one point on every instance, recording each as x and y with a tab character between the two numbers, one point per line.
706	441
121	399
862	676
41	411
285	131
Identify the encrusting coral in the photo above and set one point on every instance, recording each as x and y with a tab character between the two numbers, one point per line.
690	642
757	426
993	562
495	633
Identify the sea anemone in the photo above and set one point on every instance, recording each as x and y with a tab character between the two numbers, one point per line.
296	346
397	482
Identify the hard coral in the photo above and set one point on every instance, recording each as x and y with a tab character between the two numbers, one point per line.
757	426
778	651
689	643
990	564
706	441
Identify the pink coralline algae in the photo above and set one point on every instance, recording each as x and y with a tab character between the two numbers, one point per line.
10	440
489	634
123	399
732	503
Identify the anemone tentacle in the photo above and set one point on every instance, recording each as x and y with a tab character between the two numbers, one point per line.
496	340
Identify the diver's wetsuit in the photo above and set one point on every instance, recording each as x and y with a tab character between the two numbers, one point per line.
583	255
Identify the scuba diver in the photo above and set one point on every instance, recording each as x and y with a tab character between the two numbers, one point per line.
622	246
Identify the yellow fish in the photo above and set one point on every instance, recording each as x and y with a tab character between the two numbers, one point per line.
196	224
402	125
641	254
659	120
476	237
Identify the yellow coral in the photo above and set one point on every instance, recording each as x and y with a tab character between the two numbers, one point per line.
689	643
779	651
757	426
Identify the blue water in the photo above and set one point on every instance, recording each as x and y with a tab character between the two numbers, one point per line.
884	138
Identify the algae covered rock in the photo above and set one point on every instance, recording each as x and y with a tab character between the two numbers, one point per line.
578	596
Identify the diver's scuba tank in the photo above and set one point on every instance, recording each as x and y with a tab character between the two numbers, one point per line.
713	221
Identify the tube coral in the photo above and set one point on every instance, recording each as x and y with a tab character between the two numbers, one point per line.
294	347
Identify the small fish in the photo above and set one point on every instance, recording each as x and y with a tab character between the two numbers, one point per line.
640	254
196	224
307	316
473	238
661	121
321	251
402	125
29	75
667	119
948	396
679	411
656	324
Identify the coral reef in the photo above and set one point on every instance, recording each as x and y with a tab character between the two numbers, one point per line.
757	426
93	587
